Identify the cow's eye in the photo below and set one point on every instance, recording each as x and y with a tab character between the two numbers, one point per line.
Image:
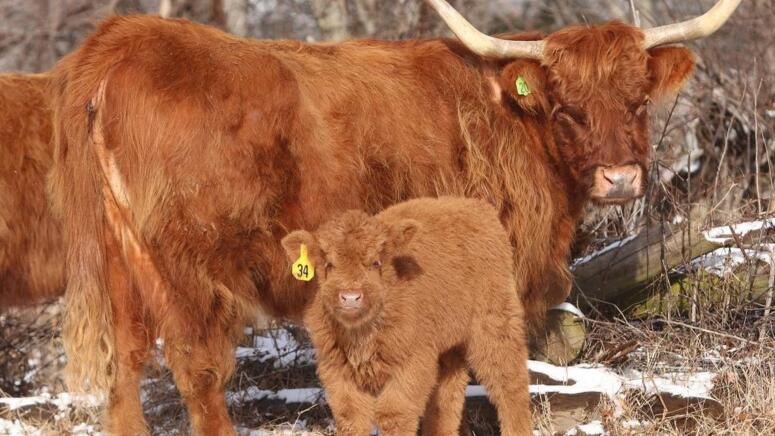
328	266
376	264
640	108
643	107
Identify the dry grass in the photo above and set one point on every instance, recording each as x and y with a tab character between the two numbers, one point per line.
744	387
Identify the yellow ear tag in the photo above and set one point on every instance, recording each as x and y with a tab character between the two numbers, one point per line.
303	269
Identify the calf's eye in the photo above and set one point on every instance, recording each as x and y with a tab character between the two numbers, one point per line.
328	266
376	264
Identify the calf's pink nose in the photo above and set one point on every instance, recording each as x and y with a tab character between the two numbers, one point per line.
350	299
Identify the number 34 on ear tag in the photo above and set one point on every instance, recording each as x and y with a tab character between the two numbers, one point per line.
303	269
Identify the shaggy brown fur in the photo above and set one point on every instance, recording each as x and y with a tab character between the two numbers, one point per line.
32	267
408	299
221	144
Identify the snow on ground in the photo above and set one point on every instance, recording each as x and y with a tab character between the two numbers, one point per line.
62	401
694	385
723	261
17	427
607	248
725	234
290	396
567	307
281	346
590	429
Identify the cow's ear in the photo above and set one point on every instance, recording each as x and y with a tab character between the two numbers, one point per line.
523	83
292	244
402	232
669	67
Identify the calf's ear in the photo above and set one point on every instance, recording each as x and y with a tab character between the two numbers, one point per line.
669	67
292	244
403	231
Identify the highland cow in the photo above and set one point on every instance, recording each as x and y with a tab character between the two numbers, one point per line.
408	300
32	266
183	155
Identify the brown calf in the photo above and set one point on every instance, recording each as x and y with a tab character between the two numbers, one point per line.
408	300
184	154
32	267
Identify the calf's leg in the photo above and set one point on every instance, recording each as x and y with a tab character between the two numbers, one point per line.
444	412
352	408
124	415
403	399
497	352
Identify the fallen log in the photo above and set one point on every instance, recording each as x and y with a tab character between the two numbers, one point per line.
621	273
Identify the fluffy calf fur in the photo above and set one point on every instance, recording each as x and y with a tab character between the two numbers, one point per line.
408	300
32	266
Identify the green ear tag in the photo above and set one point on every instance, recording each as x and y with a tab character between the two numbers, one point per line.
522	88
303	269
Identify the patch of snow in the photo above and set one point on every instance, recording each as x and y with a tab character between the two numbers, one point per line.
722	234
84	430
588	378
290	396
17	427
607	248
245	353
696	384
305	395
252	393
576	379
568	307
62	400
723	261
591	428
280	346
631	423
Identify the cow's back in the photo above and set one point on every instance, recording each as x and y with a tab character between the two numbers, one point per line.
31	254
224	143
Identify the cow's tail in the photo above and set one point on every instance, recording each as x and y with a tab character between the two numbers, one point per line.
99	191
75	187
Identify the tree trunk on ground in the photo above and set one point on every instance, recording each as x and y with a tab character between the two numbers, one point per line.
621	275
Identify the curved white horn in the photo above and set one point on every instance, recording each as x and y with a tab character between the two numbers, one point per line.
698	27
482	44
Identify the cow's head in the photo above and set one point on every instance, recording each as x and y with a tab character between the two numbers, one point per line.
594	84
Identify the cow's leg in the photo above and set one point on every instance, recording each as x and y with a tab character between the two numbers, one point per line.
202	365
132	343
497	352
444	412
403	399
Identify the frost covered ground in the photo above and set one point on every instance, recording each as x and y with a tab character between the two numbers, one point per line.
275	391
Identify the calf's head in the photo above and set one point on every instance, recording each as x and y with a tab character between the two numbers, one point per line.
350	254
593	85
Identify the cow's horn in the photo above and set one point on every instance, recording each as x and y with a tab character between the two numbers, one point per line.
698	27
482	44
